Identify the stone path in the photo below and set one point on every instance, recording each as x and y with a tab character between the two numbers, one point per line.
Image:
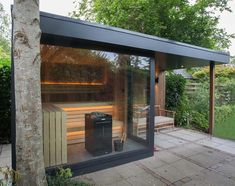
184	158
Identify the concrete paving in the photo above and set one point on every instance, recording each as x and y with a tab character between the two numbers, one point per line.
184	158
5	155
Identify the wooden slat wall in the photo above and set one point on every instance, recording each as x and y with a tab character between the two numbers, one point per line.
75	121
54	135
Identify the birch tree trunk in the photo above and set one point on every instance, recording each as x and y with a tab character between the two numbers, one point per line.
27	61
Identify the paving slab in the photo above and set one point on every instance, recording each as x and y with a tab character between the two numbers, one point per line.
186	167
5	161
220	140
165	144
5	151
226	169
121	183
195	134
205	160
167	156
212	178
128	170
226	148
145	179
152	163
188	150
187	137
170	173
105	177
208	143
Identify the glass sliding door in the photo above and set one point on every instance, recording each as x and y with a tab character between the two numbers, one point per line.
139	91
95	103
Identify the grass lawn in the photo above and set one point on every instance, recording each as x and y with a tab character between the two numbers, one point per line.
226	129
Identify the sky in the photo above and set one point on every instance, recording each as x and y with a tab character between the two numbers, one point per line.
63	7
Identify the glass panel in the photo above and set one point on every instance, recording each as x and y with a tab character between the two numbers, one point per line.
139	93
95	103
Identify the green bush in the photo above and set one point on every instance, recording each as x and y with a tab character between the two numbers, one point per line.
222	113
175	86
176	99
63	178
226	92
183	112
222	73
199	121
5	110
199	104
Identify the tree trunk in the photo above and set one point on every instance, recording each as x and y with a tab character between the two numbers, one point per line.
26	52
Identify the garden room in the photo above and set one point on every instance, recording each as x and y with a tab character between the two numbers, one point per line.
90	103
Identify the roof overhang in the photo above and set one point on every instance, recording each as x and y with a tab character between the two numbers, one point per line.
59	30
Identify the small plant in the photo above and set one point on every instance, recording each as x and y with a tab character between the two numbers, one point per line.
8	176
63	178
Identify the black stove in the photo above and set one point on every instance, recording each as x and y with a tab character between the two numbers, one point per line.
98	133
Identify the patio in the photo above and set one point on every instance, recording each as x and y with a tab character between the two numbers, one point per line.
183	157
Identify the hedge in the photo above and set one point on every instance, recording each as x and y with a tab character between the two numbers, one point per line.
5	106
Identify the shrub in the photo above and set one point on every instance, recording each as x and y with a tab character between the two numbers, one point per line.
63	178
226	92
5	111
222	73
175	86
199	121
199	104
223	112
176	99
183	112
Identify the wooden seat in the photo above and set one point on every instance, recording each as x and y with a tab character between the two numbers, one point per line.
163	119
75	121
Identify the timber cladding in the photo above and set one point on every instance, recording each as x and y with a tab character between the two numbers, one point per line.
54	135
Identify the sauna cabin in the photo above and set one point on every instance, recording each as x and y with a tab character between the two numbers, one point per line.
76	82
89	71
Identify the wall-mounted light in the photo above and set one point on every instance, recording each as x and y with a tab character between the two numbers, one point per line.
156	79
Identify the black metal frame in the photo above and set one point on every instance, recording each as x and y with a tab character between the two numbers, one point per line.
13	111
125	157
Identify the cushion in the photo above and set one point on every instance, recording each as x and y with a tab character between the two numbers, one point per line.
163	119
158	120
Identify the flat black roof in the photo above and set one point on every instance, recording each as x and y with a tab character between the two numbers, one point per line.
65	31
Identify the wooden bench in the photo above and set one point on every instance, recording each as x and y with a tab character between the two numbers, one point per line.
75	121
163	119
